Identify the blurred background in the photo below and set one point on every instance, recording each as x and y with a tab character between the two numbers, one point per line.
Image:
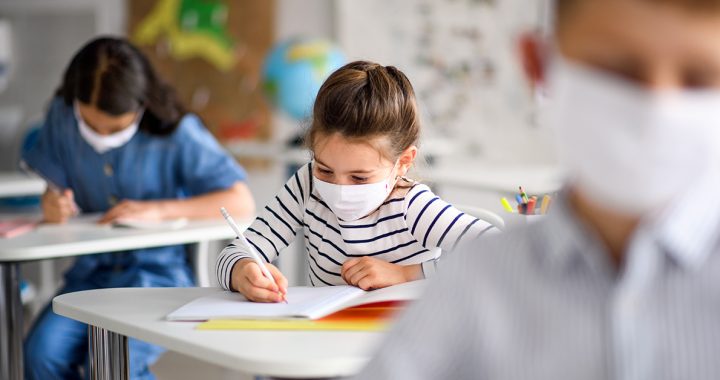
251	68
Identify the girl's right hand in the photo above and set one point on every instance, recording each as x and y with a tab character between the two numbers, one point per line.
247	279
58	207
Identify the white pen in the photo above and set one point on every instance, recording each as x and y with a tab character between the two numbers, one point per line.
251	249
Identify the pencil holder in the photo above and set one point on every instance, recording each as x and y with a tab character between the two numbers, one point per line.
515	219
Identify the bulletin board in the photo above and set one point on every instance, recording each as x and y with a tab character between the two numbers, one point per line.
212	52
462	59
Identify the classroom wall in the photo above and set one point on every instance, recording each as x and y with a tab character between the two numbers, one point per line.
47	32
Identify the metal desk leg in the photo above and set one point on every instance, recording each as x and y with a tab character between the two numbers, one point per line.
108	354
202	269
11	323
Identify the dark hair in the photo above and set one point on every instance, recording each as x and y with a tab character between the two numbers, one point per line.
115	77
363	100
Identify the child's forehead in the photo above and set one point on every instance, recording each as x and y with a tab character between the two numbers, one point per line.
336	150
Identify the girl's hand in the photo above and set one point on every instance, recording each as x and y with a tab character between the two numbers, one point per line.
58	207
139	210
370	273
247	278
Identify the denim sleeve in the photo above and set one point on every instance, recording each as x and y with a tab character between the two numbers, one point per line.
46	155
204	165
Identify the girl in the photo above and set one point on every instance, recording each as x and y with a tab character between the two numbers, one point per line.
364	223
117	141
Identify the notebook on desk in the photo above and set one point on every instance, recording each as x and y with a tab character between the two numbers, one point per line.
369	317
309	303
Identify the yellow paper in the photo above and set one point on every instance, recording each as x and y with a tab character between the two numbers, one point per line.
302	324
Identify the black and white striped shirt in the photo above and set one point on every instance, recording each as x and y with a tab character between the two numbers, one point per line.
405	230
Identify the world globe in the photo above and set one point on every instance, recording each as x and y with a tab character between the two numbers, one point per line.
295	69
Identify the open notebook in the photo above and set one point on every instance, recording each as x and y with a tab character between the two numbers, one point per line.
303	303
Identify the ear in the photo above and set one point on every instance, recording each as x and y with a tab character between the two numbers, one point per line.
533	58
406	160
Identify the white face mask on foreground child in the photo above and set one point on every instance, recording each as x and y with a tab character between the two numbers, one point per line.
352	202
627	148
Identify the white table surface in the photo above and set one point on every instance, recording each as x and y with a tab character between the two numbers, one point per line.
535	179
82	236
13	184
140	312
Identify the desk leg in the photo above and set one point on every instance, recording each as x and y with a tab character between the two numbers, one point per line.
108	354
202	269
11	322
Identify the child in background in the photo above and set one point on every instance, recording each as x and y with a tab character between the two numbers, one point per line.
117	141
364	222
622	279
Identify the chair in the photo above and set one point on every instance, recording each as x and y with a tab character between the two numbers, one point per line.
484	214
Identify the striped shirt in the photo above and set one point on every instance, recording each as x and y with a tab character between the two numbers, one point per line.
545	302
406	229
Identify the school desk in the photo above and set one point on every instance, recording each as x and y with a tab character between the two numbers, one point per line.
80	237
16	184
113	315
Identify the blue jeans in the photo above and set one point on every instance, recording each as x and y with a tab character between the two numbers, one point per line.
57	348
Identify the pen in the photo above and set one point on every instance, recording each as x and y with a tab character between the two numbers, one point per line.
506	205
251	249
531	205
523	195
545	204
518	199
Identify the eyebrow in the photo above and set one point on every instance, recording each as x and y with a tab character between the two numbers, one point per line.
352	171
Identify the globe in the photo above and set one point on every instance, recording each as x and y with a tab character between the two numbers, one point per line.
295	69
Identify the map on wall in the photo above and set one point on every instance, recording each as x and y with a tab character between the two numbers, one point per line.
460	56
212	52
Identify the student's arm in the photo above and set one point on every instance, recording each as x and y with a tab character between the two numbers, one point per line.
206	174
58	207
437	224
236	199
369	273
47	156
270	233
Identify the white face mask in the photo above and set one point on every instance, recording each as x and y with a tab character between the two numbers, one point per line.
352	202
103	143
629	149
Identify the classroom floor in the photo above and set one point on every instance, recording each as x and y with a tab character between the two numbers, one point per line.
175	366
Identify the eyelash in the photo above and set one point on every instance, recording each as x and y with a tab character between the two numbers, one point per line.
329	172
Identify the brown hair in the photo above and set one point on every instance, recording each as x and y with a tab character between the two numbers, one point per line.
364	100
563	7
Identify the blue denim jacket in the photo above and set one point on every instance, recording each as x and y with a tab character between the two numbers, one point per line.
186	163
